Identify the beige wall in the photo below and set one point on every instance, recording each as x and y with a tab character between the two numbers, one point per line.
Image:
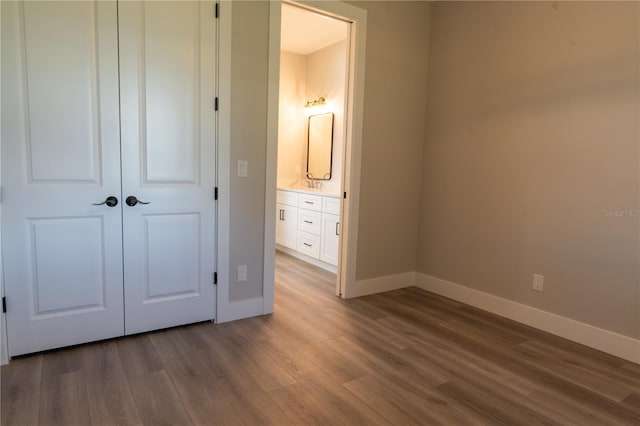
327	76
532	137
303	78
249	66
291	118
393	136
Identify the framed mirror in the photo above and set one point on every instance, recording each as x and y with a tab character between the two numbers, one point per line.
320	146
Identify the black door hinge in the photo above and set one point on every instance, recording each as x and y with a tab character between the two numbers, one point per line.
215	193
215	278
4	304
345	195
216	104
217	10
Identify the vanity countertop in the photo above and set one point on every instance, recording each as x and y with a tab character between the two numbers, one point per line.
314	191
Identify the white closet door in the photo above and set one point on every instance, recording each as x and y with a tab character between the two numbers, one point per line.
60	154
167	77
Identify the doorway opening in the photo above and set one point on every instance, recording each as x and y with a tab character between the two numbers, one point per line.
313	90
348	201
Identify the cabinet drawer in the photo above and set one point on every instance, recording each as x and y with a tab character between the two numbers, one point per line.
309	244
331	205
287	198
309	221
310	202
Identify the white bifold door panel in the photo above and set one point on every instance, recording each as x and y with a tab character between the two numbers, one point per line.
82	122
167	69
60	154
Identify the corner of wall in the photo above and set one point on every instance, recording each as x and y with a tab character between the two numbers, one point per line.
380	284
604	340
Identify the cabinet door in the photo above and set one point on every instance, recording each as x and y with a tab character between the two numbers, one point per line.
287	226
330	239
60	157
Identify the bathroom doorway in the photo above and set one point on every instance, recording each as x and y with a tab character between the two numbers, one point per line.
314	65
315	135
321	64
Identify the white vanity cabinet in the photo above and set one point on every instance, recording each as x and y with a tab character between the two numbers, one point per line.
316	232
309	218
329	238
287	219
330	230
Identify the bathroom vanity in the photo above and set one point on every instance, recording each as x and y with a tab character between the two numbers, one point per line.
308	225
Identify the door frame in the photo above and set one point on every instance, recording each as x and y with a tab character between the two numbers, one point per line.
346	269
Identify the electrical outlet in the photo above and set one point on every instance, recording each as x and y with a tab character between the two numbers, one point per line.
538	282
242	273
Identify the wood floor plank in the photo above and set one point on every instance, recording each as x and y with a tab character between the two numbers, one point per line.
632	402
254	405
300	405
585	363
108	394
202	389
292	361
138	355
337	401
63	400
392	365
576	411
494	410
589	378
20	384
401	357
157	400
389	405
61	361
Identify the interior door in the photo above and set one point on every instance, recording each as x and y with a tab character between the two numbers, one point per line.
167	77
60	155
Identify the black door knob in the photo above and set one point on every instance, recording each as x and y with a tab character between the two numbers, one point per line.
132	201
110	201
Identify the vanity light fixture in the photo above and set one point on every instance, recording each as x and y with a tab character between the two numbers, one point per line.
316	102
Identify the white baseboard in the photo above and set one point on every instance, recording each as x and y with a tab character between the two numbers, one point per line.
242	309
588	335
380	284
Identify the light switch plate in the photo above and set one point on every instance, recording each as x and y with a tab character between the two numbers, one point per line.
243	168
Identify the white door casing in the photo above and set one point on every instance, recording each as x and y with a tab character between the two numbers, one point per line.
167	78
63	256
60	154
